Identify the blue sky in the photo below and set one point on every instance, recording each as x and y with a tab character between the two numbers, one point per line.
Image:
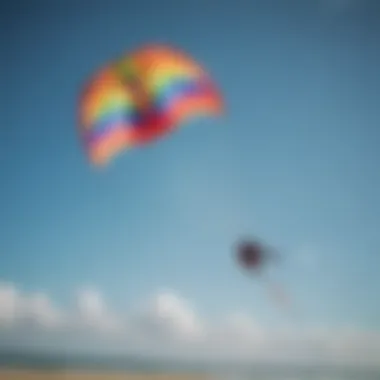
294	161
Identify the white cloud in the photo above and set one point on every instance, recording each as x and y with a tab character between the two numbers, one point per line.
9	300
168	325
36	308
39	309
239	327
92	312
170	314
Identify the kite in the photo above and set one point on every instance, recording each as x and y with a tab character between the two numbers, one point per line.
141	97
254	257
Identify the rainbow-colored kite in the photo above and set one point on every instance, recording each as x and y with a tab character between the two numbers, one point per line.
141	97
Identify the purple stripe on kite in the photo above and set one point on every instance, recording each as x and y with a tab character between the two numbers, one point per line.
108	122
95	138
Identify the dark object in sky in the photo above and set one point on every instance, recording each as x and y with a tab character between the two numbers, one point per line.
252	255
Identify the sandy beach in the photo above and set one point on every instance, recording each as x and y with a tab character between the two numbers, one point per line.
82	375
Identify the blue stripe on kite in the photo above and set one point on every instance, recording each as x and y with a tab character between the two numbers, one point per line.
180	89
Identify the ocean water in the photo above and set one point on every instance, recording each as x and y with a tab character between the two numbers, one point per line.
102	364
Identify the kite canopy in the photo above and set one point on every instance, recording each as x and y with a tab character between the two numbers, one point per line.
252	255
141	97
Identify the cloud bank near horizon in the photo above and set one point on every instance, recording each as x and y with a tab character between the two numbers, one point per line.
168	325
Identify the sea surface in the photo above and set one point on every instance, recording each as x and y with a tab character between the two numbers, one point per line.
71	362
